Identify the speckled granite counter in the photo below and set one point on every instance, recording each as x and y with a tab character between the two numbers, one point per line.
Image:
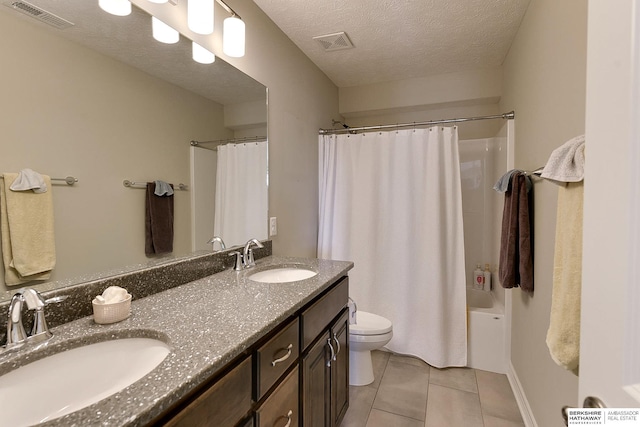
207	323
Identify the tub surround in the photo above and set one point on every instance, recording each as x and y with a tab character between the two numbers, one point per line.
208	323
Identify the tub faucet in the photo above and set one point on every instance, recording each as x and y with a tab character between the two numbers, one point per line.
212	241
247	255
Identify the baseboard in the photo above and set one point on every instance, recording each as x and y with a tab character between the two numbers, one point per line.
521	398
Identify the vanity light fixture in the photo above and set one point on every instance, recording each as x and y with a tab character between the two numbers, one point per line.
200	16
233	37
201	54
158	1
116	7
162	32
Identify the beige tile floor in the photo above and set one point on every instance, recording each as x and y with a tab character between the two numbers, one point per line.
409	393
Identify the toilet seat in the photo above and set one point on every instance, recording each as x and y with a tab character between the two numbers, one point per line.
369	324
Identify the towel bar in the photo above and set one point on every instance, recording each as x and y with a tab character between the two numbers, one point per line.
70	180
134	184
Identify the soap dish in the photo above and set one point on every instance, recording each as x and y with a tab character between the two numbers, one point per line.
111	313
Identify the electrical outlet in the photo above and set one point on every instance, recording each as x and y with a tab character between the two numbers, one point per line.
273	226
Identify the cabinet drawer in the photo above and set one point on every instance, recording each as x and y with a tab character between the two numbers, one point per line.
223	404
275	356
281	408
316	318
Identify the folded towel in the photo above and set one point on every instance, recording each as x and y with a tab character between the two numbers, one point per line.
29	180
163	188
566	163
563	335
26	225
504	182
516	242
158	222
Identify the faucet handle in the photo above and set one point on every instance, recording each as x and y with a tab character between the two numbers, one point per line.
237	265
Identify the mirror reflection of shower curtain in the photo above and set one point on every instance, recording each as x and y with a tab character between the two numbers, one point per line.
241	202
391	202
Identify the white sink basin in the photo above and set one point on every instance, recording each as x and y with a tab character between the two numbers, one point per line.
282	275
71	380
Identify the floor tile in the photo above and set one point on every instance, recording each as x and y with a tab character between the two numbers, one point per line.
496	397
458	378
408	359
490	421
448	407
386	419
403	390
360	403
379	359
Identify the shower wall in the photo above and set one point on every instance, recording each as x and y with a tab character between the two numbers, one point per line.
482	162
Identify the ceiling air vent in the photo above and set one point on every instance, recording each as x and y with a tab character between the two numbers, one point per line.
39	14
335	41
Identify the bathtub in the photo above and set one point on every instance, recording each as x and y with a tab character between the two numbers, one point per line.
485	333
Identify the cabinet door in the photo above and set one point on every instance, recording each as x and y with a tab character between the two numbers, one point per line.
340	369
281	407
316	385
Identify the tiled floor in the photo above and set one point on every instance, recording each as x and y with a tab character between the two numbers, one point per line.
409	393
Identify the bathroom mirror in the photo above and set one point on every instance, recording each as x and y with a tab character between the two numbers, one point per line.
101	100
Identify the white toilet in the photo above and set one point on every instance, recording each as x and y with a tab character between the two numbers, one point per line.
369	332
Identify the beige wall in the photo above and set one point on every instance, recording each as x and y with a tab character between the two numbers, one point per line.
544	82
67	110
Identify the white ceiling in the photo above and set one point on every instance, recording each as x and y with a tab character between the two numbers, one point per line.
397	40
128	39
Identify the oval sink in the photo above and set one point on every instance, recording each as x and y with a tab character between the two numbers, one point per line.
71	380
282	275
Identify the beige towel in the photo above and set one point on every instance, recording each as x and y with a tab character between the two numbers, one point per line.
563	336
26	225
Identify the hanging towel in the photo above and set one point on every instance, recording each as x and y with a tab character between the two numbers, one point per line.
158	222
163	189
566	163
29	180
26	225
504	183
563	335
516	242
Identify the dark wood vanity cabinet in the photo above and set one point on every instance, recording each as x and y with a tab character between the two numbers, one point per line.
297	375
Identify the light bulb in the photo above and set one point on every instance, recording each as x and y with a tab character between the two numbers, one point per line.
116	7
233	37
201	54
158	1
200	16
162	32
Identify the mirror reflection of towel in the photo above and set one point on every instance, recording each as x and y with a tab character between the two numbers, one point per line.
26	224
158	222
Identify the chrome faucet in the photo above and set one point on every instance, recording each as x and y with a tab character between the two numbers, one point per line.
247	255
16	335
213	241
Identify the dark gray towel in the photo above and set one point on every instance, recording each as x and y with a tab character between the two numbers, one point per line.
516	242
158	222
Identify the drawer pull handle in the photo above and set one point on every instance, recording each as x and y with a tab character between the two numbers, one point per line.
289	414
283	358
333	353
335	338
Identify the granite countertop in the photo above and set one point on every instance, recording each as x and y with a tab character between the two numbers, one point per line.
207	323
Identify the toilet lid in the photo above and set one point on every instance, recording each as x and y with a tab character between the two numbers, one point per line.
369	324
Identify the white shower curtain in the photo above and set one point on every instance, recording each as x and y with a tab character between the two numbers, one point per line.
241	201
391	202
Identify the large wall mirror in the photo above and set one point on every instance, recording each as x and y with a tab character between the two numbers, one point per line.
102	101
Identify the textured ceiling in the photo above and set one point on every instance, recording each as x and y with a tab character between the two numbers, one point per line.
129	40
397	40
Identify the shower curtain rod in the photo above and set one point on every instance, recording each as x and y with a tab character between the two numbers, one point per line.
230	140
506	116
